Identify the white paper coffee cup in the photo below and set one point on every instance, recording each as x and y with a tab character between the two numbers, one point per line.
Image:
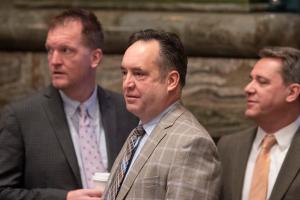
100	179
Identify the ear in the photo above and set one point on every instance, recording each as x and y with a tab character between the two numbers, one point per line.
96	57
173	80
293	93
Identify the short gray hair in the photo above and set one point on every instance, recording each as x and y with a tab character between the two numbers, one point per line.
290	57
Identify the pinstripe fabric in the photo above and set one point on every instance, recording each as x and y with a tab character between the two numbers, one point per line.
178	161
48	144
120	173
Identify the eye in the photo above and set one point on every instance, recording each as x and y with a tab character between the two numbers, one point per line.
124	72
49	50
262	80
250	78
139	74
66	50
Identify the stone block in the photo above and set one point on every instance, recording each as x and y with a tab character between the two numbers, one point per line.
9	70
213	91
238	34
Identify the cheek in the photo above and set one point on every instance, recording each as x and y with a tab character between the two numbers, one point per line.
78	60
265	100
80	66
50	68
268	102
156	95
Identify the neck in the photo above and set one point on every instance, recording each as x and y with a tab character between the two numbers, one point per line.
80	94
274	123
148	118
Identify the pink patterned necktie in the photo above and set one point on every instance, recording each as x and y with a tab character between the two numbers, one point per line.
90	155
118	178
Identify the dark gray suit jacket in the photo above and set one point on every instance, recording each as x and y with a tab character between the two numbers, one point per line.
37	156
234	152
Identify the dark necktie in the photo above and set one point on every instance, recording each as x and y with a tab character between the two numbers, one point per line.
120	173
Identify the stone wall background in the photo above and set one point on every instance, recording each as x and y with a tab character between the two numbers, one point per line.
221	41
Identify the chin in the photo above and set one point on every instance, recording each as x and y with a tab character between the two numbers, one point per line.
59	85
132	109
250	115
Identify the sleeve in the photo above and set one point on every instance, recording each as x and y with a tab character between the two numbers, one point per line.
195	172
12	161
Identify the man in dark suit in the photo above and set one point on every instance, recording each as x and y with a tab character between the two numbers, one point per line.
253	168
174	157
40	147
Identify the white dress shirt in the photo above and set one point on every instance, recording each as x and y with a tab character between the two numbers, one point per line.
92	105
278	152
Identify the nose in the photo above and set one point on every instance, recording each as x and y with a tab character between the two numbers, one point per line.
128	81
249	88
54	58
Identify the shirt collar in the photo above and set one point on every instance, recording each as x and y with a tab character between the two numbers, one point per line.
283	136
72	105
148	127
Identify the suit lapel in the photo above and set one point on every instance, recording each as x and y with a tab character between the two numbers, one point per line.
147	150
154	139
108	123
53	107
289	169
240	162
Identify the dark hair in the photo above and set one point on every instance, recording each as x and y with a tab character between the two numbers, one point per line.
290	57
91	28
172	54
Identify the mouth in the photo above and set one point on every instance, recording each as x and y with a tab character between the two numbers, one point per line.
57	73
251	102
130	98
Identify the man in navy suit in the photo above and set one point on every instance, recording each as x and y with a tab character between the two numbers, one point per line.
39	142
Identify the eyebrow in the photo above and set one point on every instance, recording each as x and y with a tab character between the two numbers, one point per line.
134	68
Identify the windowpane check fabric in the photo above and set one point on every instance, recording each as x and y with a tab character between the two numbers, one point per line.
91	157
118	178
259	184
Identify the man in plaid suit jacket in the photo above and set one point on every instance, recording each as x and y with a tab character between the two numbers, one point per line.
176	158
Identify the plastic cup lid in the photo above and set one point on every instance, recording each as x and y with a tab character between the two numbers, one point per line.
101	176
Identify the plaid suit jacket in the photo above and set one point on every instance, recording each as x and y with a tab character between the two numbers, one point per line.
178	161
